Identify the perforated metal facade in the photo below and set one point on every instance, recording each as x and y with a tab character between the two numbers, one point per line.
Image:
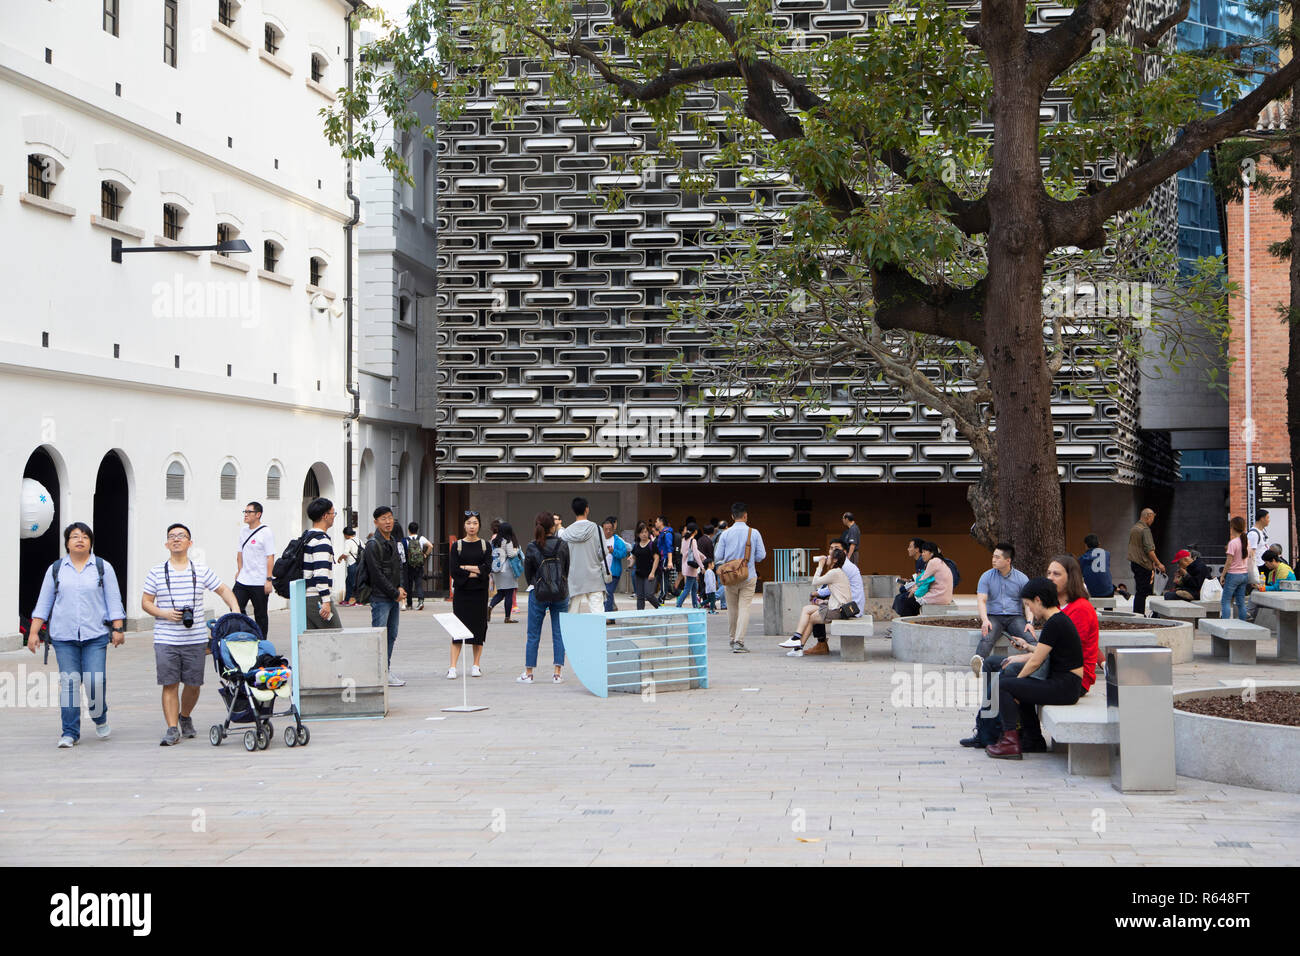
553	325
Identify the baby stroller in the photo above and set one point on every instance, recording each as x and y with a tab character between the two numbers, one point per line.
252	677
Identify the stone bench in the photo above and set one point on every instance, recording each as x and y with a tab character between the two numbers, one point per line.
1176	610
1085	730
1233	639
943	610
1103	603
852	635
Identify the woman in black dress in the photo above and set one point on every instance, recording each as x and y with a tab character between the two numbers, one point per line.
471	562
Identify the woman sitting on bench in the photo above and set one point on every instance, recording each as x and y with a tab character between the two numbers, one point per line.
836	583
1059	650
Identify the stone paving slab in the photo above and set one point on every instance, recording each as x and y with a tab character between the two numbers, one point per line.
780	761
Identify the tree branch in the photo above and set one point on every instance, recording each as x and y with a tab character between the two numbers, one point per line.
904	302
1079	221
1147	39
1056	50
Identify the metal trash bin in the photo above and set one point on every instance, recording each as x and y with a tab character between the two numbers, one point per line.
1140	698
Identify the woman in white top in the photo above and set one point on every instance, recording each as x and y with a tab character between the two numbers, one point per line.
348	558
830	577
504	547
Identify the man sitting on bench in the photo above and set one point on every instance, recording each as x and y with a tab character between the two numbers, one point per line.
1191	574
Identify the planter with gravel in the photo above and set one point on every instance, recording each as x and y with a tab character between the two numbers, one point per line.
1243	737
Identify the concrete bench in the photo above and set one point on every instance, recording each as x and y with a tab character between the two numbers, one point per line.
1103	603
1084	729
852	635
1233	639
1176	610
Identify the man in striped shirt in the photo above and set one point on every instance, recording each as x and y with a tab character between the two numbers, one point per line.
318	566
171	589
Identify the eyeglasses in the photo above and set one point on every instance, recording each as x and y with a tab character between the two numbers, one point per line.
471	514
249	511
178	537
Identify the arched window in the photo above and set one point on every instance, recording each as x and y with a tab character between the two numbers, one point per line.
176	481
273	483
229	477
317	68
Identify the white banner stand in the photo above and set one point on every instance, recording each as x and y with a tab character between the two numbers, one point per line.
459	633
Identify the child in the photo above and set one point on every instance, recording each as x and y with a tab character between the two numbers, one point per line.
711	590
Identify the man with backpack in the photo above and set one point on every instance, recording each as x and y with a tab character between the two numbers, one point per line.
381	579
318	566
418	549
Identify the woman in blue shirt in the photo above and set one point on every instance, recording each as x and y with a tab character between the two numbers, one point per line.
83	606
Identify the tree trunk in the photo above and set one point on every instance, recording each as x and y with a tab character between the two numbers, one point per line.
1293	336
1028	489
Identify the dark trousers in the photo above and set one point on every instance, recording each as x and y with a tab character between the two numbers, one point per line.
350	591
257	594
503	594
1143	577
905	605
317	623
1064	688
414	584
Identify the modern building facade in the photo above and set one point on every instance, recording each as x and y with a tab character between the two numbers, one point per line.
171	386
553	334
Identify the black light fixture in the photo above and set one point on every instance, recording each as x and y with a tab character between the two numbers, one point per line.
116	250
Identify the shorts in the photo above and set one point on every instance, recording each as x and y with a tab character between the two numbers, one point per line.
825	615
180	663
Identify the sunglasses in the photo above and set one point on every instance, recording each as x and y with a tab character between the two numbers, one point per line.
471	514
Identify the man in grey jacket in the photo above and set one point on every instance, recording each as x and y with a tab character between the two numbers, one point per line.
588	572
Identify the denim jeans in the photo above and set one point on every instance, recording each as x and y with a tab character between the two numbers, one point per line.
351	582
385	613
536	613
1008	623
689	590
1234	589
610	588
503	594
80	663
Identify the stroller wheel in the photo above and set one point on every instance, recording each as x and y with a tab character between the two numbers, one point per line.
250	740
268	729
263	741
304	735
214	735
290	737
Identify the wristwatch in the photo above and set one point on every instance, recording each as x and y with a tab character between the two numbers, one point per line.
118	630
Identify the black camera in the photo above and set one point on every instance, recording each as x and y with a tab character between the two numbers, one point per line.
187	616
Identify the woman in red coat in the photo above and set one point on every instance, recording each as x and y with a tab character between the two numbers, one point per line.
1064	571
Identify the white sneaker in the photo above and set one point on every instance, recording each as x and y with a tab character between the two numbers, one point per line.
66	742
475	672
524	678
791	642
102	731
557	679
451	673
395	681
797	652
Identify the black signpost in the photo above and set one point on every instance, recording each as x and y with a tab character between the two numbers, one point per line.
1268	486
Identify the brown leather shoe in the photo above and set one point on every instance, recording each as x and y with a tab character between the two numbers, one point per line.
816	647
1007	747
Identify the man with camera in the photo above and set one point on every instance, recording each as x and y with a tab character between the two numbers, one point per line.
173	595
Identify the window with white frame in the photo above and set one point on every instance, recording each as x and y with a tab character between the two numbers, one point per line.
229	478
273	483
176	481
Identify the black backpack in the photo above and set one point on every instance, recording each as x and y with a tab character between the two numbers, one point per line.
956	575
362	588
550	584
288	566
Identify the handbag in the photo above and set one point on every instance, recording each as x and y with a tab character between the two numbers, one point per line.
849	610
736	571
516	565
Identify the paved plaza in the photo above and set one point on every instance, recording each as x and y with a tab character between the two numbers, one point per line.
780	761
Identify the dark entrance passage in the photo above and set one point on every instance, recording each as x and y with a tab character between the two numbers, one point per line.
35	555
111	519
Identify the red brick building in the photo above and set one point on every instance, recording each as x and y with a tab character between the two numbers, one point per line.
1269	332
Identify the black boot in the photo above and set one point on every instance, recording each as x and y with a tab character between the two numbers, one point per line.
987	731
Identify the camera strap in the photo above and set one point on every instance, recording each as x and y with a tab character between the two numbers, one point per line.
194	584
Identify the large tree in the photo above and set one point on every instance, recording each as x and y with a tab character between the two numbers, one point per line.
921	145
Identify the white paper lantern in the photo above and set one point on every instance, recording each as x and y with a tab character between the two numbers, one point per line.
37	510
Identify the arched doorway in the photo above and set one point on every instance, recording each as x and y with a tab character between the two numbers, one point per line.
112	516
405	510
366	492
318	483
35	555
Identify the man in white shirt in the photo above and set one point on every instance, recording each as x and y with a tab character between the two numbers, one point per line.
1258	538
417	544
253	563
173	595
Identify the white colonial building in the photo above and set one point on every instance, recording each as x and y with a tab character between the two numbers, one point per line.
170	386
398	251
